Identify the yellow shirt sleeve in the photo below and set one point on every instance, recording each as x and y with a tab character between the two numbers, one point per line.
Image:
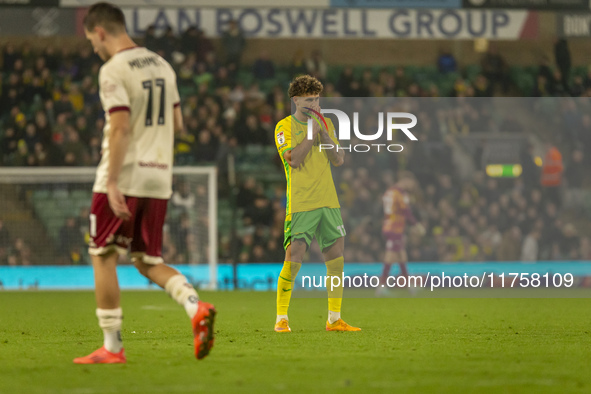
283	137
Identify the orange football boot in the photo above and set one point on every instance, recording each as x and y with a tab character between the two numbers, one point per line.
203	329
340	325
102	356
282	326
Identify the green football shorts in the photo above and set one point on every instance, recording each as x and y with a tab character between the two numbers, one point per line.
325	224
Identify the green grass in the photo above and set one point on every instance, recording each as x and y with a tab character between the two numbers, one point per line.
407	345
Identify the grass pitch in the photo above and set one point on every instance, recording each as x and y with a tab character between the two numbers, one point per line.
418	345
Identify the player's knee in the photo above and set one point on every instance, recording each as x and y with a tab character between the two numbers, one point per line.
296	251
335	266
142	267
290	270
294	267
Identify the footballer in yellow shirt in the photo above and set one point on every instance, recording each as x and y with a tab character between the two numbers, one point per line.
313	208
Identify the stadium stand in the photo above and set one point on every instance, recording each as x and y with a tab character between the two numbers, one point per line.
50	115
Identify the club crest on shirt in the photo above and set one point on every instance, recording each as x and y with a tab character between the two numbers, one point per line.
280	138
108	88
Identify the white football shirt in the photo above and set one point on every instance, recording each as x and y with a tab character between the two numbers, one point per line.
141	82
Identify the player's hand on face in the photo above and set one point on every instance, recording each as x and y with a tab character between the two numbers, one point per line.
117	202
315	128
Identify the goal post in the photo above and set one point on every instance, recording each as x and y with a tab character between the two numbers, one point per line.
45	210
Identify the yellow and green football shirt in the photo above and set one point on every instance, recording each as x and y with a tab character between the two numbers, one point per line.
310	186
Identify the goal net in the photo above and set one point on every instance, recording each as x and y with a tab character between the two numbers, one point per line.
45	217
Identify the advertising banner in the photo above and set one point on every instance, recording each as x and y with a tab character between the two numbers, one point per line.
38	21
547	5
396	3
341	23
29	3
573	25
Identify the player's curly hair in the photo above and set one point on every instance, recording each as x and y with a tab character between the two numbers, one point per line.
304	85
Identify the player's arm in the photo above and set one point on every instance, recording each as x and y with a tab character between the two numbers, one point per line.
295	157
178	119
335	155
177	111
115	100
119	137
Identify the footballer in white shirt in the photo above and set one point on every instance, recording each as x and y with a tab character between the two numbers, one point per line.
133	183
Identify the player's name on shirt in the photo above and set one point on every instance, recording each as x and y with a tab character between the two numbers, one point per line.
145	61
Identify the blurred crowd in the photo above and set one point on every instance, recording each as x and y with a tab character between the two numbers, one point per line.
50	115
475	219
13	251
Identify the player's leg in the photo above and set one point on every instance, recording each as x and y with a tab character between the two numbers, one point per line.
391	255
291	265
295	248
107	296
171	280
104	228
402	263
331	238
146	249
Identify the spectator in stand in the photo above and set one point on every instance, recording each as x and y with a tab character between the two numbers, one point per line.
150	39
184	148
574	175
204	45
556	86
20	253
68	70
250	132
9	57
552	169
570	242
183	198
206	149
541	88
260	212
578	87
585	248
234	43
31	138
168	44
75	151
510	247
530	171
263	67
64	105
545	70
189	41
247	193
4	243
494	69
298	64
8	146
316	66
71	241
345	81
446	63
529	250
563	61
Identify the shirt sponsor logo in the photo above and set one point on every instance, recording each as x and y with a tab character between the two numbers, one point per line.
152	164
